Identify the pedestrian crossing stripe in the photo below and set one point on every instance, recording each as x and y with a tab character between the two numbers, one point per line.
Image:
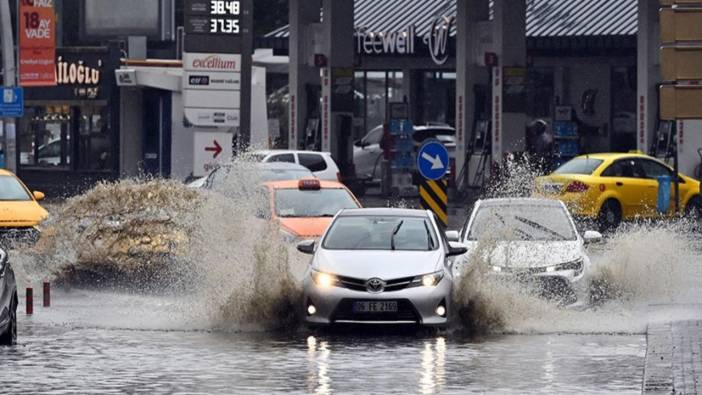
432	196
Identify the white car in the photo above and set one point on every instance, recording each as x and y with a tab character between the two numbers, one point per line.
320	163
533	240
367	153
274	171
380	266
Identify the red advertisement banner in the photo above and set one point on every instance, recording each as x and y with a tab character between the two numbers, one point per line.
37	43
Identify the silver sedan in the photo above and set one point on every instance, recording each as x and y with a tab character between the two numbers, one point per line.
380	266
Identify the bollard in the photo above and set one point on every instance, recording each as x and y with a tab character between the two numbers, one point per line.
30	301
47	294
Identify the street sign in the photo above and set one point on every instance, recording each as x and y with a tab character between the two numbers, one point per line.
12	104
37	43
216	63
433	196
210	150
432	160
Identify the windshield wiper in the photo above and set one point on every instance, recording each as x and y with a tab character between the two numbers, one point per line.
394	232
538	226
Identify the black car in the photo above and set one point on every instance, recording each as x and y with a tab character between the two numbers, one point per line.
8	302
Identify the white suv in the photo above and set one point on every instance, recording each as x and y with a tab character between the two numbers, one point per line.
320	163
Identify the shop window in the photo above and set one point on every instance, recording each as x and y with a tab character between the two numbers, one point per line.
623	108
437	98
373	91
94	145
376	98
66	137
44	140
540	92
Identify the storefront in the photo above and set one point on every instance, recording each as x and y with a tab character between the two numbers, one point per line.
584	60
67	139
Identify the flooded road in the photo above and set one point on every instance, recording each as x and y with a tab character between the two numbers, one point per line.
69	348
222	293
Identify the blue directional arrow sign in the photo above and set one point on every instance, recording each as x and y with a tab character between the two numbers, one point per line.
432	160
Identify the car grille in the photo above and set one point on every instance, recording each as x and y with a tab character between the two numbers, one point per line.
28	233
522	271
390	285
405	312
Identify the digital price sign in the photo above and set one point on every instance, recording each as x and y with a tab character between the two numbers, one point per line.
211	25
217	50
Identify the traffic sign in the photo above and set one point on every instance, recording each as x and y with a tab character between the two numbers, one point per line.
432	160
12	103
210	150
433	196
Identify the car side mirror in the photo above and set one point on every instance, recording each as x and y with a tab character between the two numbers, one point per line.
38	195
452	235
592	236
358	143
456	248
306	247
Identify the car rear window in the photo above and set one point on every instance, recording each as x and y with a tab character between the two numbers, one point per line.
312	203
314	162
579	166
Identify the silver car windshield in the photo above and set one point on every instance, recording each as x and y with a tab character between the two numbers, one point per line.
12	190
381	233
521	222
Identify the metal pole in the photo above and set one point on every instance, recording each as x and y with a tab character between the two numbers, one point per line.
9	80
676	170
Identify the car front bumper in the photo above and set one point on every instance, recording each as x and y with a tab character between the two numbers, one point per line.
23	235
416	305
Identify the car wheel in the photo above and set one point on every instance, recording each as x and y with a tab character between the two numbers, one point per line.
693	210
610	215
10	336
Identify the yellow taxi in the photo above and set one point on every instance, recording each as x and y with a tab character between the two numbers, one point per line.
19	211
304	208
611	187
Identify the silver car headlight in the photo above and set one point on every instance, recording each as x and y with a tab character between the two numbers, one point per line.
324	280
430	280
576	266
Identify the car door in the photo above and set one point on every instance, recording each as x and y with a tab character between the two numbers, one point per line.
367	153
627	178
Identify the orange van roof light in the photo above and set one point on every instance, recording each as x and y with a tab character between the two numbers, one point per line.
309	185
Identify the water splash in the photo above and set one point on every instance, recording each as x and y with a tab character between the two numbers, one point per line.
641	266
160	237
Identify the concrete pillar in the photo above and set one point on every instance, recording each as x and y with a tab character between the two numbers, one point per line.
648	72
303	14
337	80
509	40
467	74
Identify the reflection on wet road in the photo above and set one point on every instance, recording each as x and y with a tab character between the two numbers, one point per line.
67	358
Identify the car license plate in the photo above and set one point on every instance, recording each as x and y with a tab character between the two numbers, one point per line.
375	307
553	188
